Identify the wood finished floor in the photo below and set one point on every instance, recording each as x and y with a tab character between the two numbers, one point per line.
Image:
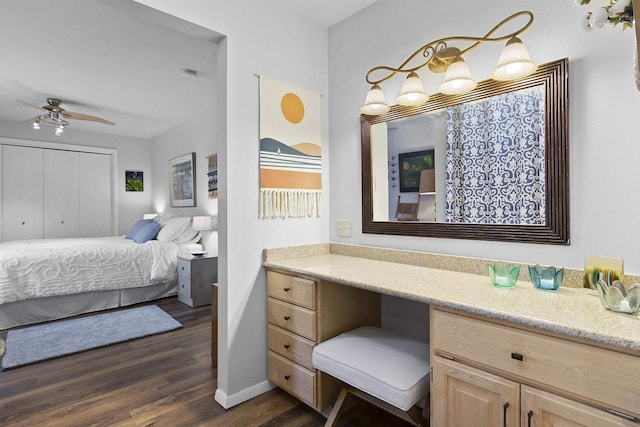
162	380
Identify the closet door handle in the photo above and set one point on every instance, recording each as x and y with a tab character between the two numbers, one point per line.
287	289
287	317
529	416
504	413
286	377
286	346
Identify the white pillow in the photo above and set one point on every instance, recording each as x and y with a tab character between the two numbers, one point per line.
163	218
188	235
173	228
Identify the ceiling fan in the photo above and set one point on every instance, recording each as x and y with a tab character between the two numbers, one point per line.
54	114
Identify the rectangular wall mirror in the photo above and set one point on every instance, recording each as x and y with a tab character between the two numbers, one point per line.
491	164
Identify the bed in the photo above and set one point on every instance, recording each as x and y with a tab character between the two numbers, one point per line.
47	279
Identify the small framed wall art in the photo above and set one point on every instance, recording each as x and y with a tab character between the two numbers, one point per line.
181	183
411	165
134	180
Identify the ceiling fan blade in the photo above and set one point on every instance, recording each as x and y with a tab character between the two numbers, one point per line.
27	104
80	116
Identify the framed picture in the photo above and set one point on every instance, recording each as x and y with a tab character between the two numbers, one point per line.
411	164
181	183
134	180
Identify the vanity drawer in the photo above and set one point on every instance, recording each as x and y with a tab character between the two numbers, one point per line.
292	378
291	346
296	319
598	374
295	290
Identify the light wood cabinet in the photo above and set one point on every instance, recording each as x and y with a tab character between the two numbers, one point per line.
302	312
473	394
479	366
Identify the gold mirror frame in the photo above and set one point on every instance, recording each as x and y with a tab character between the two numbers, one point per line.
554	76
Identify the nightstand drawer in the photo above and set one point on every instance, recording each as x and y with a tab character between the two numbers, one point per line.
292	378
184	286
292	318
291	346
295	290
184	269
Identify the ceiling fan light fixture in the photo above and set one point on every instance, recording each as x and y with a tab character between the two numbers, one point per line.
36	123
59	130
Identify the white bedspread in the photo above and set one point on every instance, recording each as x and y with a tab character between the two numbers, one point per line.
40	268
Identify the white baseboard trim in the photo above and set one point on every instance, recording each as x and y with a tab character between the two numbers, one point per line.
248	393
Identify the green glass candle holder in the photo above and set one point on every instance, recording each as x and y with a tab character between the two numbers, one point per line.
616	297
503	275
548	278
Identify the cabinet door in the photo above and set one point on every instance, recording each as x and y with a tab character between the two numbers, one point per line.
467	397
542	409
61	194
22	192
96	195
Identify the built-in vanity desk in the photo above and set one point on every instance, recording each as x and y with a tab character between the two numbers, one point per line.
499	356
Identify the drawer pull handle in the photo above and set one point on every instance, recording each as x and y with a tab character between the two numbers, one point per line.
504	413
286	377
287	317
529	416
287	346
287	289
622	415
517	356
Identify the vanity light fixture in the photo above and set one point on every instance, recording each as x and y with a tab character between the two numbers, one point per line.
514	63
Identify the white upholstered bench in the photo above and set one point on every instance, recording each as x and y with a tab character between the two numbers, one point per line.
388	369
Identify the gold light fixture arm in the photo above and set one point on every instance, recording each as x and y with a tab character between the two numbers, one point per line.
438	55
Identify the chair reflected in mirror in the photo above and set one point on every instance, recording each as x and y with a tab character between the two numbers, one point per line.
407	211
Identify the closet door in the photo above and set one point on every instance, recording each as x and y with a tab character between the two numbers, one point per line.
96	195
22	191
61	194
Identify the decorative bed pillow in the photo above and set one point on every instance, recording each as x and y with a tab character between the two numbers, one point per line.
163	218
136	227
147	232
173	228
188	235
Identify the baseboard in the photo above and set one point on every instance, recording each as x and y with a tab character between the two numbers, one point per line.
248	393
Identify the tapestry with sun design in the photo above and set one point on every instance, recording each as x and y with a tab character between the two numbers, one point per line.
290	151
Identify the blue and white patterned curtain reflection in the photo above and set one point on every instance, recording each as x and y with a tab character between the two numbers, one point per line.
495	160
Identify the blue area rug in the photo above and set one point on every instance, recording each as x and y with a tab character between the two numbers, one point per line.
49	340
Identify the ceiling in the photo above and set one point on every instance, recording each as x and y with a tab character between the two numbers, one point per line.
109	62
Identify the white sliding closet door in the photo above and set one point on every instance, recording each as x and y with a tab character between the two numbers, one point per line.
22	175
96	195
61	194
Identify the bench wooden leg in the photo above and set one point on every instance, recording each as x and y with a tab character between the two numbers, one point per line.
333	416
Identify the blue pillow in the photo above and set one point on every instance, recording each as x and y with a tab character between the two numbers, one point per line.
147	232
136	227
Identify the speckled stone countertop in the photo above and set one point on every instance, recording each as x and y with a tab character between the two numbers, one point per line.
568	311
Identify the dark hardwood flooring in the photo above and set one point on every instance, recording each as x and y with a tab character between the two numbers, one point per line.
161	380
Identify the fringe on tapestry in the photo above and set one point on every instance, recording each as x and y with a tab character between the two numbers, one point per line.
283	203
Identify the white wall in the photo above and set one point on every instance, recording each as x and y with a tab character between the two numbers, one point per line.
196	135
603	127
133	154
260	39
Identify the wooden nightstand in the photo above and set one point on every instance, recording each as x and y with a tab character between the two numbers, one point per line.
195	277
